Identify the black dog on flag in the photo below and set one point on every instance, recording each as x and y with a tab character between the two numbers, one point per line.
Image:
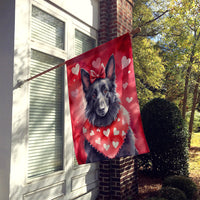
105	138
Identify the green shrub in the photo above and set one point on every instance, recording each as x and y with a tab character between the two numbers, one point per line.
183	183
167	137
171	193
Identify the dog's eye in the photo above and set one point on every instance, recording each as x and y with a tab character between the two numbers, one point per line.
105	91
94	95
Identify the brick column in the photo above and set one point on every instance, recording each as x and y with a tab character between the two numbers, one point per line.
115	19
117	177
124	178
104	180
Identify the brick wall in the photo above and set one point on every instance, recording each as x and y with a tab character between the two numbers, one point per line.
115	19
117	177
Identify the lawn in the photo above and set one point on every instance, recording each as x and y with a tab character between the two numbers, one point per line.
149	186
194	160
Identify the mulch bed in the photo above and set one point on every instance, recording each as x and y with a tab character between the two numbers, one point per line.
149	186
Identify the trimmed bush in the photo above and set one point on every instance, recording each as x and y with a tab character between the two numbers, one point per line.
183	183
171	193
167	137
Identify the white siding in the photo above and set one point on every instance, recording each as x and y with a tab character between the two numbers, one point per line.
87	11
6	88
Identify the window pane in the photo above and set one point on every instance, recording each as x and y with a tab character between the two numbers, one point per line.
83	43
46	28
45	142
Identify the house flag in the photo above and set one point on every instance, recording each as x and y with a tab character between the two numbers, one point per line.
104	108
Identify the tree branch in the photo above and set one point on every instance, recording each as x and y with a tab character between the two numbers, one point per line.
150	21
149	87
146	23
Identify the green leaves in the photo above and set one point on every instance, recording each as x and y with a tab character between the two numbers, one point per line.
167	138
167	50
149	69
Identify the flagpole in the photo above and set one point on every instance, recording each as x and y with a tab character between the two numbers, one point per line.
20	83
135	32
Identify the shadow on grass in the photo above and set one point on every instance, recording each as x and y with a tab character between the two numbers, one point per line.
195	153
195	149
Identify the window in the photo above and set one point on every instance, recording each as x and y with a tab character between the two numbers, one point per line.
45	139
83	42
46	28
42	156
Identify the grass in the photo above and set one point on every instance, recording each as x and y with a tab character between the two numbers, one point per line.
194	159
195	141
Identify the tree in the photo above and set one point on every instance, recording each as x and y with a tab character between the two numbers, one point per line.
174	27
174	72
184	31
148	15
195	101
149	68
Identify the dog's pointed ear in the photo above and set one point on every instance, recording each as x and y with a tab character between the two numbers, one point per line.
110	68
85	77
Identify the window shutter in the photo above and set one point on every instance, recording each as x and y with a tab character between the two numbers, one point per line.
45	143
46	28
45	138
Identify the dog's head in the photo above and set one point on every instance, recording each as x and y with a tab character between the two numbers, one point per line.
102	102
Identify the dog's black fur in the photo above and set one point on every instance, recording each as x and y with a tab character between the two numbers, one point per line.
102	109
